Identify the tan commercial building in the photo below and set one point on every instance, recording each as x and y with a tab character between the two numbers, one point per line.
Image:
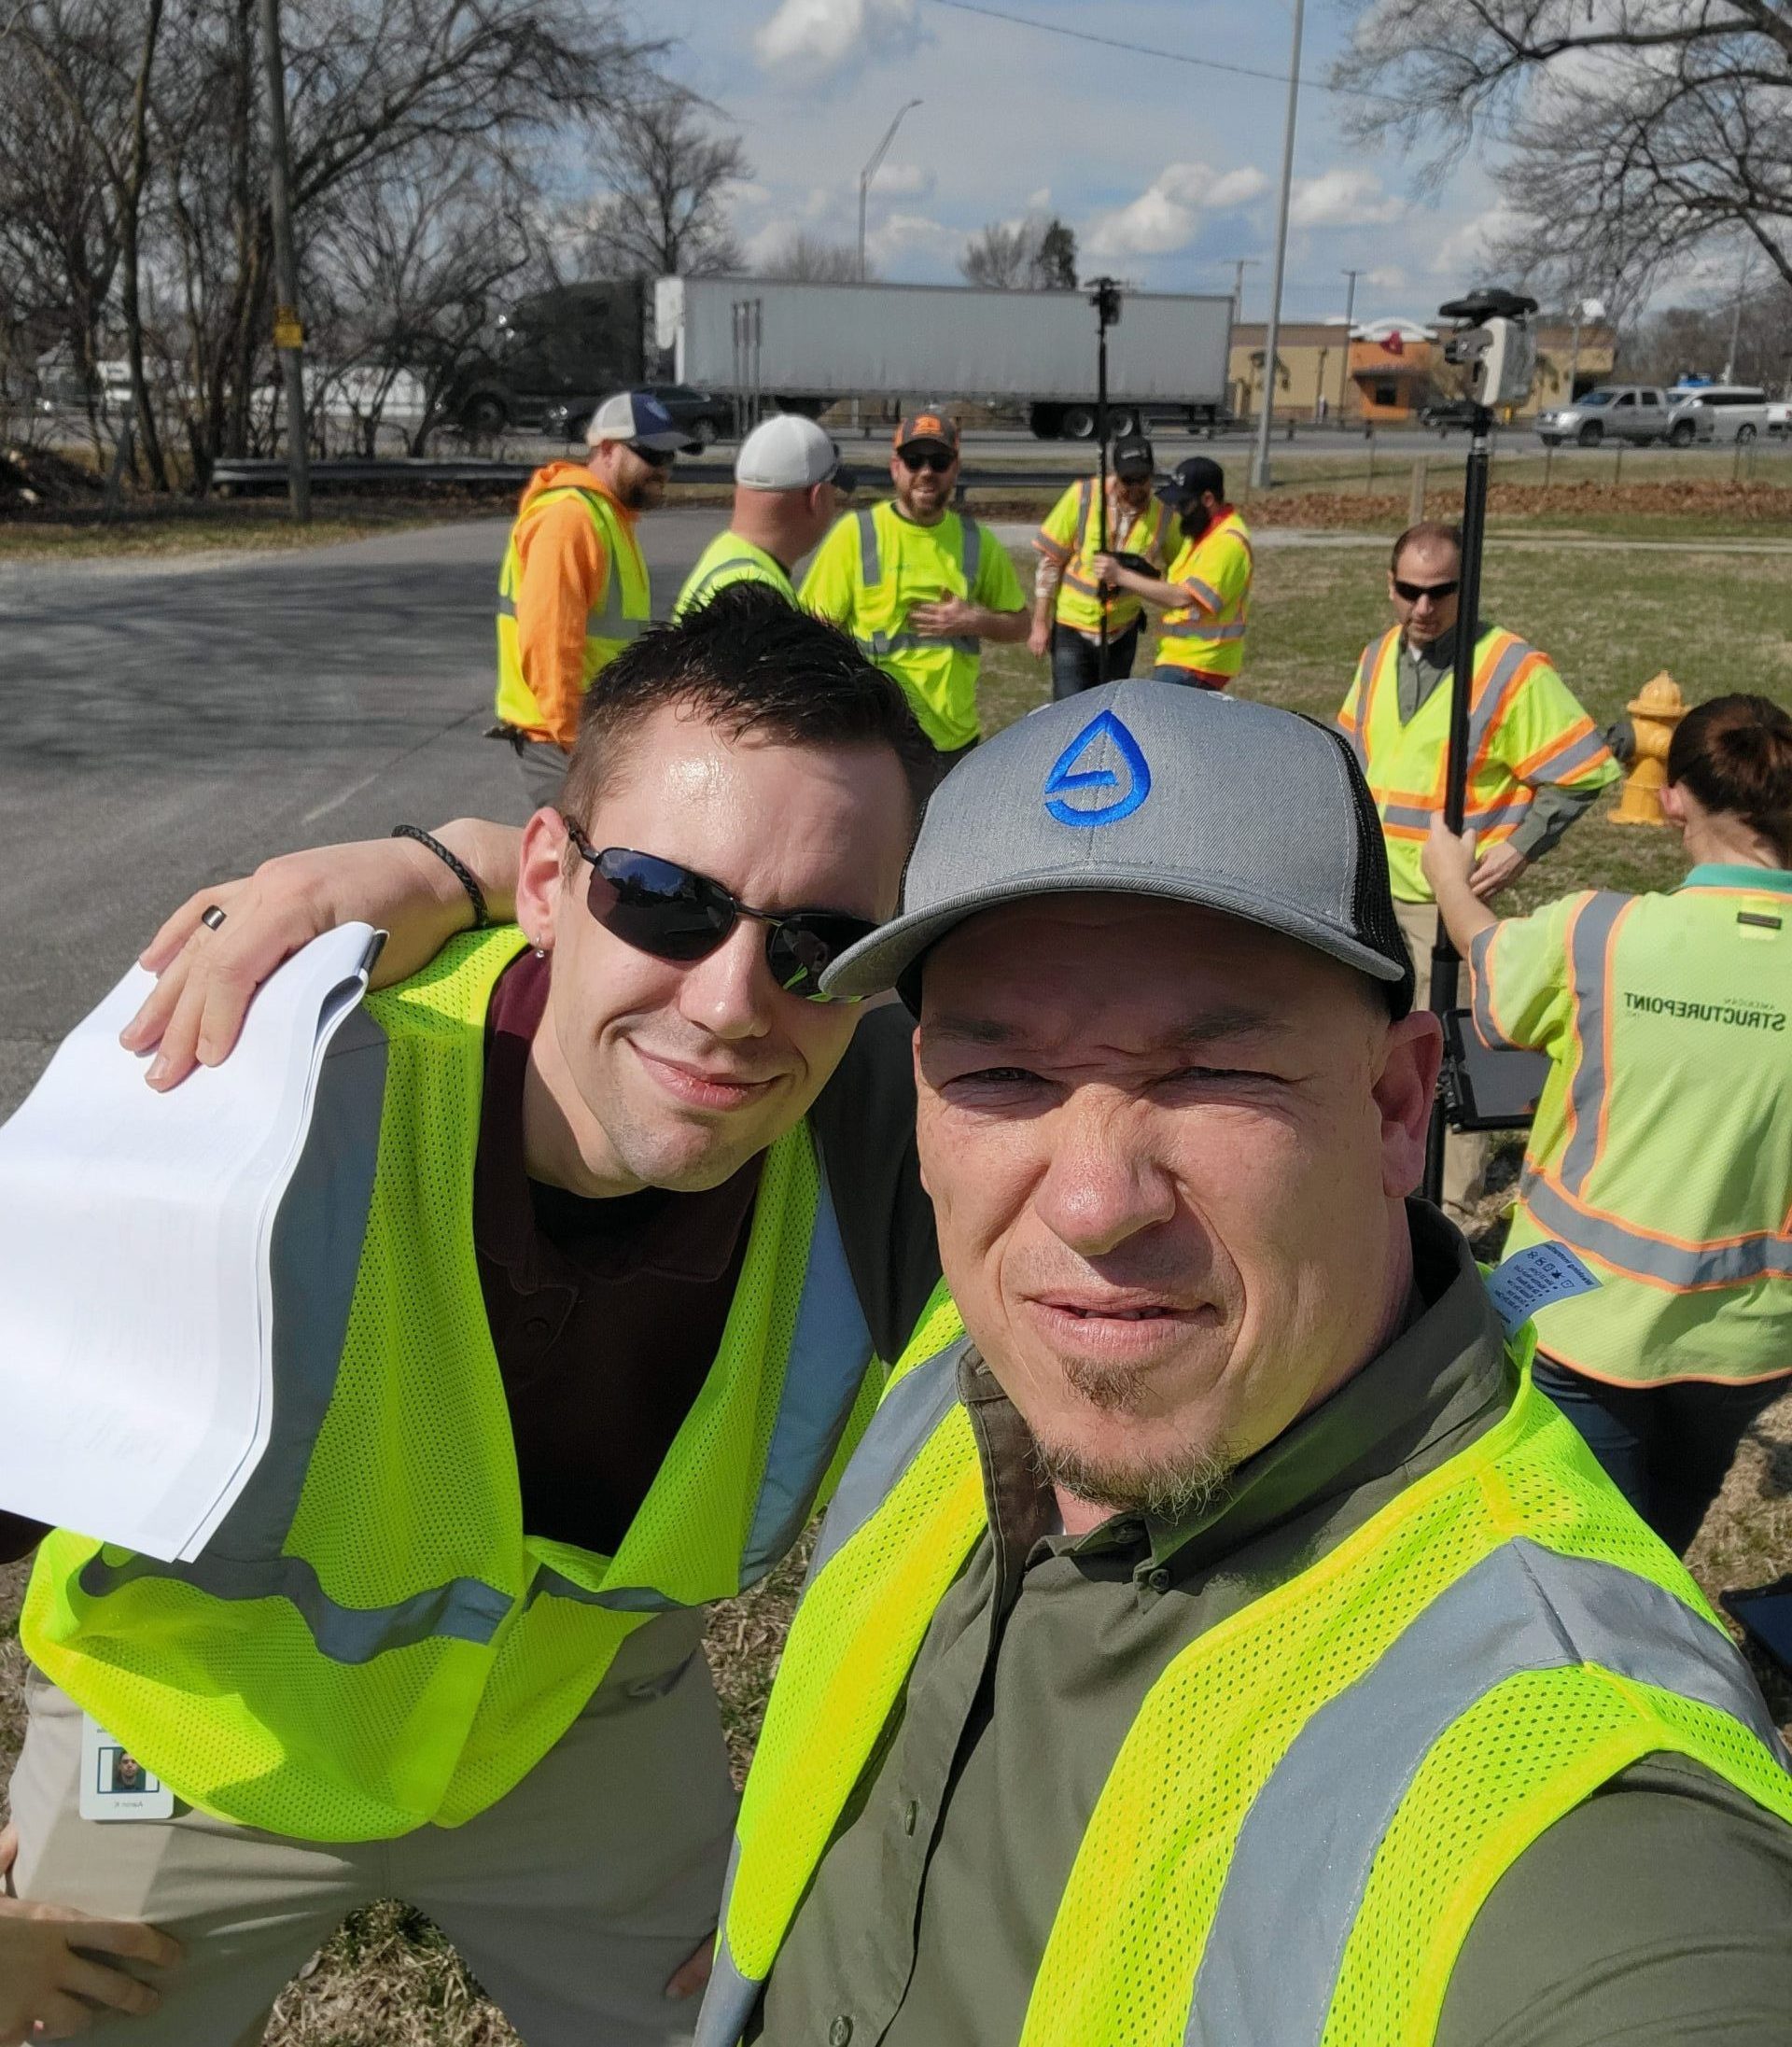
1387	371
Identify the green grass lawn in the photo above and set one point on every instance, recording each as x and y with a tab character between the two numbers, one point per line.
1609	620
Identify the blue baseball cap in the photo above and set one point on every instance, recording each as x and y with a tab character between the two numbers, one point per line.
639	418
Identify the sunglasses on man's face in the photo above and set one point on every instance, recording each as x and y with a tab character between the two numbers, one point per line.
657	458
937	460
1410	593
672	913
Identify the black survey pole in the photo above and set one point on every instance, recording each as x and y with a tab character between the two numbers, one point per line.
1444	958
1105	299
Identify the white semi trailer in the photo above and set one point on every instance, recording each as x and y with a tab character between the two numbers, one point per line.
803	345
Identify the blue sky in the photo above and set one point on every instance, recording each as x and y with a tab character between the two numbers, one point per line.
1168	171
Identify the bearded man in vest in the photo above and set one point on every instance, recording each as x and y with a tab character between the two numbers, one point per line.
1536	761
573	589
1070	601
788	484
577	1295
1205	593
1215	1638
920	586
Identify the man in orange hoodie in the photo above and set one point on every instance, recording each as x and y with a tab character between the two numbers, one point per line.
574	591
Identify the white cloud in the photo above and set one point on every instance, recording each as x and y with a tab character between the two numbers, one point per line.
905	180
1389	277
1039	201
907	235
1462	252
1165	217
1343	198
819	41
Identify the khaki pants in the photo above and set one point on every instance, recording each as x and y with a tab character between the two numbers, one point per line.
1464	1150
572	1899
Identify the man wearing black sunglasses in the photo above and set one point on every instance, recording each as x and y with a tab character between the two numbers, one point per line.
920	586
642	1213
1536	761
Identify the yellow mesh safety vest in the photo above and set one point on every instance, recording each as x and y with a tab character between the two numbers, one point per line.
372	1642
1522	723
623	613
729	559
1079	598
1318	1795
896	565
1211	641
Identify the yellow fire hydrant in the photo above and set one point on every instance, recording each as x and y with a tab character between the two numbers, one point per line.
1658	708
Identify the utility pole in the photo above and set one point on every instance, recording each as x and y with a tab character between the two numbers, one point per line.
1240	266
288	333
1736	320
1262	478
1349	328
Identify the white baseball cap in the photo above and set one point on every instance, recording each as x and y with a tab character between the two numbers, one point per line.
639	418
786	452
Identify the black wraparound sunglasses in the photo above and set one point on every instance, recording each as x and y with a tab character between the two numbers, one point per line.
673	913
1412	591
938	461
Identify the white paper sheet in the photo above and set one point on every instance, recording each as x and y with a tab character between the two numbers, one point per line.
135	1317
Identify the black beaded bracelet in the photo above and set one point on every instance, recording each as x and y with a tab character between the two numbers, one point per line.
458	868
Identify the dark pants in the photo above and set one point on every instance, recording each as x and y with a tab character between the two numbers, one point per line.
1191	679
1076	661
1667	1449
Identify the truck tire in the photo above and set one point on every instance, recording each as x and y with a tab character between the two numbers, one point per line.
1744	434
1078	423
1123	421
704	433
1680	434
485	412
1046	421
1590	435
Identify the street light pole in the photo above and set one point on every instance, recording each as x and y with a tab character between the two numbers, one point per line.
289	335
1262	479
1350	328
869	172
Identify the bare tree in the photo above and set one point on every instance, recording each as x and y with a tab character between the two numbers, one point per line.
667	166
1029	254
810	259
1637	130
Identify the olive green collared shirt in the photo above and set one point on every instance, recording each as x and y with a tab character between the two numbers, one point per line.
1419	671
1658	1913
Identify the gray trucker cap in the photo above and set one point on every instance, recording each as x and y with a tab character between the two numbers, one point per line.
1151	788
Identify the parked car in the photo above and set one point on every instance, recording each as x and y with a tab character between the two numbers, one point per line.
1731	412
1642	413
702	414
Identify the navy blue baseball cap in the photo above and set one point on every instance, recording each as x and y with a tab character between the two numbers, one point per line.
639	418
1188	480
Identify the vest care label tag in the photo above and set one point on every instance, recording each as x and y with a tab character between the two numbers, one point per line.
1533	1278
114	1784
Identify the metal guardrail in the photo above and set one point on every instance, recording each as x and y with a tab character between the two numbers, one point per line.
269	472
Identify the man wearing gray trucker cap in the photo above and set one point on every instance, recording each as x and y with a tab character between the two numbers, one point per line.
788	484
1215	1638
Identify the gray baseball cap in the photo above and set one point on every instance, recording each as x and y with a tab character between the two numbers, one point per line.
1145	788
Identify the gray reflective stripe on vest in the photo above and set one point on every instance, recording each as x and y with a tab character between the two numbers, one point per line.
1594	923
1482	1002
1681	1266
871	567
1486	818
728	1998
1487	698
831	1348
465	1609
876	644
1582	754
911	1410
1301	1864
756	571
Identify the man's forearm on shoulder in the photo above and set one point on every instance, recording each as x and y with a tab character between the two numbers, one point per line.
494	852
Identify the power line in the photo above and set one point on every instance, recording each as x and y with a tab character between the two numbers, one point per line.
1149	49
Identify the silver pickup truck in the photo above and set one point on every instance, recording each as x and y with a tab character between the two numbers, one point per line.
1624	412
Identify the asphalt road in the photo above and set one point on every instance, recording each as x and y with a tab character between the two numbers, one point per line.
164	725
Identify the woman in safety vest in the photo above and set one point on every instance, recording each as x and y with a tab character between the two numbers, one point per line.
1662	1152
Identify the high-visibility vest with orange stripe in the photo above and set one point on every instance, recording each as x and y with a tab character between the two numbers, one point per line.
620	611
1524	728
1079	595
1219	563
1662	1151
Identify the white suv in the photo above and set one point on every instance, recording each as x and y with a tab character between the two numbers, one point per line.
1736	411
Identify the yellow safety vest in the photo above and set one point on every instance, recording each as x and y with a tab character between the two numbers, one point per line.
1079	596
1661	1150
372	1642
729	559
897	565
1523	725
1318	1795
621	613
1211	641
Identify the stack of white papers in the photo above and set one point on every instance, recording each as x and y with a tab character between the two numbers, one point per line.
135	1298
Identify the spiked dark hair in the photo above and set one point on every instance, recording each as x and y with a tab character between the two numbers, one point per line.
749	662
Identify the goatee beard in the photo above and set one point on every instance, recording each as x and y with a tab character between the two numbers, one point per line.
1168	1489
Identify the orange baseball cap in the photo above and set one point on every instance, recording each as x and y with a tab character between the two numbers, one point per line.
928	427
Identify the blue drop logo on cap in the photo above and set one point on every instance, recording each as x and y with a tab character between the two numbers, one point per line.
1067	779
